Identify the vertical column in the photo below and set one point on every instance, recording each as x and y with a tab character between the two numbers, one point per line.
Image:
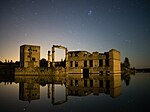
103	62
48	58
67	65
53	94
88	63
53	56
66	92
114	60
48	92
104	67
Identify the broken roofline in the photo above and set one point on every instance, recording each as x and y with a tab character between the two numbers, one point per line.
78	51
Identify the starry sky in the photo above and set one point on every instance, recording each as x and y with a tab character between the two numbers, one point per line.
92	25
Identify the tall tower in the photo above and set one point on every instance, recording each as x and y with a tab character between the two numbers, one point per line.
29	56
114	60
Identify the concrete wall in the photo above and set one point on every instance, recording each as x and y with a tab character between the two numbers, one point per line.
58	71
29	56
114	60
110	61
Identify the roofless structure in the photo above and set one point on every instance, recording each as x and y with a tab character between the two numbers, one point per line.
76	62
53	54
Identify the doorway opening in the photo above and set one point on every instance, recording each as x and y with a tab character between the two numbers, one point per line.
85	73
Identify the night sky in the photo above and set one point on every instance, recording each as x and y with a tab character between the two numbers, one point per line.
92	25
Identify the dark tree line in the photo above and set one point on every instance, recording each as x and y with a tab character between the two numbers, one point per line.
126	71
125	66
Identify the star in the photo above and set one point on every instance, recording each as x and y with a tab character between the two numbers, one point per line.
32	1
89	12
36	13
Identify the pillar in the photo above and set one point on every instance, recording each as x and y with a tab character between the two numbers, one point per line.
49	59
53	94
114	60
66	93
48	92
53	56
104	63
67	65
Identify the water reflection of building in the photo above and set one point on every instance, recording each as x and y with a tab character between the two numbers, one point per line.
29	90
29	87
75	85
95	84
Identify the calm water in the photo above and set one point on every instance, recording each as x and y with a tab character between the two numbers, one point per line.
27	96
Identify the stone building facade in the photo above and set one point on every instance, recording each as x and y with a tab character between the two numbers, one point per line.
82	62
29	56
99	63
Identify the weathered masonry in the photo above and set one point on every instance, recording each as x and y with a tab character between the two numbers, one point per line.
53	54
76	62
99	63
29	56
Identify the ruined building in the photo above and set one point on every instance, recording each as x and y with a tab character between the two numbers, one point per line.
99	63
78	62
29	56
84	73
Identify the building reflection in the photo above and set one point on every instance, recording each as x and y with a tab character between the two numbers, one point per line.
95	84
82	73
74	85
58	102
29	89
